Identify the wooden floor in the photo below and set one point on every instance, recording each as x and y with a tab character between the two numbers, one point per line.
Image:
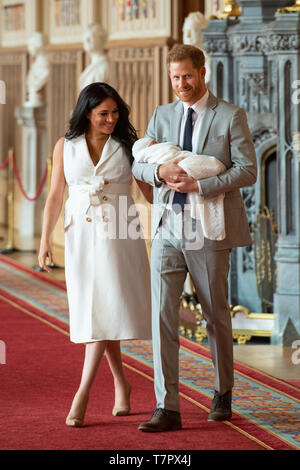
273	360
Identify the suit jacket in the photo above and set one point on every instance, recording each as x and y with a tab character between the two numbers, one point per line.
224	135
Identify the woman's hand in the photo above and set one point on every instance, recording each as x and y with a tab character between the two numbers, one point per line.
45	252
53	205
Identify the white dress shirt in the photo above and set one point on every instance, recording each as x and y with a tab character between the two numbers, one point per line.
199	110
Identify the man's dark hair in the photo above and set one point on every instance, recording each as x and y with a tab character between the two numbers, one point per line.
184	51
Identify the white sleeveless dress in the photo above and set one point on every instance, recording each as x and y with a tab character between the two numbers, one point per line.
106	263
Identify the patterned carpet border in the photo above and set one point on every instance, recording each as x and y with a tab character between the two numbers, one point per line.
265	409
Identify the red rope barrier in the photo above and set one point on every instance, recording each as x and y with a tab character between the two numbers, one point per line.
5	163
39	190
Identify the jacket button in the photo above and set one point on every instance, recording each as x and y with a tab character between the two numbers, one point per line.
105	218
88	219
104	198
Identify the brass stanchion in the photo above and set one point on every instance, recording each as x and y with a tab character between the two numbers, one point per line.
10	201
10	247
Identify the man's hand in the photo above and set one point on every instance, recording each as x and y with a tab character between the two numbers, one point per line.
167	171
183	184
176	178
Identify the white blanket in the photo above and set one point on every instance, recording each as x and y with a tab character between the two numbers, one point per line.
210	212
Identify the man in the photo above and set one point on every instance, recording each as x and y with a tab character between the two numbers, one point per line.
204	124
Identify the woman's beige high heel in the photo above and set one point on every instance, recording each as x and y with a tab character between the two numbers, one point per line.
76	421
124	410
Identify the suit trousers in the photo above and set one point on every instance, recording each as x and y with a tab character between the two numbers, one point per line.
172	256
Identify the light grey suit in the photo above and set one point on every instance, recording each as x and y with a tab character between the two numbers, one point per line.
225	135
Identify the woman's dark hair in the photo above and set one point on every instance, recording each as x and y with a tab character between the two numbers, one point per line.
90	97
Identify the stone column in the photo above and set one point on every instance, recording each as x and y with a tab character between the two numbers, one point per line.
284	40
217	46
33	121
255	65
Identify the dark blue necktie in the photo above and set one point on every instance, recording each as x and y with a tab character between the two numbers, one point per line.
179	198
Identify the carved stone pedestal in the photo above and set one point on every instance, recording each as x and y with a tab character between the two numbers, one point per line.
32	119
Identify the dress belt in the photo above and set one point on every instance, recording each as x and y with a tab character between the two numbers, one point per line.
111	188
96	190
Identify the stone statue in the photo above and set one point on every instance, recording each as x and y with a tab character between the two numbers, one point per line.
39	70
192	27
93	43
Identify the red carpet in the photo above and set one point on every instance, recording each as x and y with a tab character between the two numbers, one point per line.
289	387
43	370
39	379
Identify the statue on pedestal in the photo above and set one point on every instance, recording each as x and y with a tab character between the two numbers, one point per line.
192	27
39	70
93	43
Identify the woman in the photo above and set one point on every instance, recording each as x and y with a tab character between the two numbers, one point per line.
107	271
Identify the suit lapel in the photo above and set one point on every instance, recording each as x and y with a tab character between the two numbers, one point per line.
209	114
175	122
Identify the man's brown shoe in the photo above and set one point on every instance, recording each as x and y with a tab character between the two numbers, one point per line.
221	407
162	420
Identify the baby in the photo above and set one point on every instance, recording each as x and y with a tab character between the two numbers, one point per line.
209	211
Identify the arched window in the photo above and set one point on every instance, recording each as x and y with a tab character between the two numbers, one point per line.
289	194
220	80
269	183
287	101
